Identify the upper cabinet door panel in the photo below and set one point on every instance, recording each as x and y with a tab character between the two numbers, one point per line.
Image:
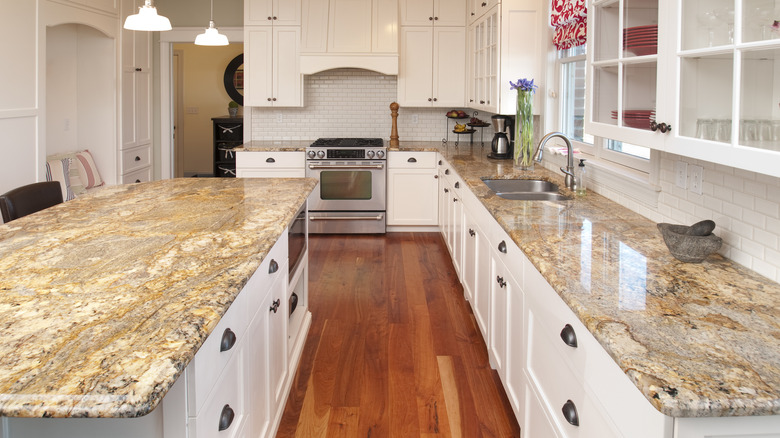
449	13
287	12
272	12
314	28
416	12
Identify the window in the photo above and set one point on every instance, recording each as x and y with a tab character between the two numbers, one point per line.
572	68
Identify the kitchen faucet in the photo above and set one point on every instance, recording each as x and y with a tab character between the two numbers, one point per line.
569	170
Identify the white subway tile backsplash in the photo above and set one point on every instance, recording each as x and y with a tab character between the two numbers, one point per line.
352	103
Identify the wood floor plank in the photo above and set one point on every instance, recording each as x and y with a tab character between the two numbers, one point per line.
393	349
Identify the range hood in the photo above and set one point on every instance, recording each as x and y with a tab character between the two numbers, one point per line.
315	63
347	34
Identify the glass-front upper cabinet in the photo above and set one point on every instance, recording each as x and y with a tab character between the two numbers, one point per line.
624	61
698	78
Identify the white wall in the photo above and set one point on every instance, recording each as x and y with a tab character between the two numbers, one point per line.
19	114
353	103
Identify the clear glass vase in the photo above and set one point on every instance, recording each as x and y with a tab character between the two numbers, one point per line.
524	130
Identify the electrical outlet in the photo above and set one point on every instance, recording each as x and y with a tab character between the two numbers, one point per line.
279	118
681	174
697	176
415	119
67	125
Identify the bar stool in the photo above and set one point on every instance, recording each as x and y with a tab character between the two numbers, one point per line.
28	199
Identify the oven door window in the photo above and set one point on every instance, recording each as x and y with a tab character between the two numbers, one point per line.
345	185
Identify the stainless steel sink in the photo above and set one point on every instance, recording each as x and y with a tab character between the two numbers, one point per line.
525	189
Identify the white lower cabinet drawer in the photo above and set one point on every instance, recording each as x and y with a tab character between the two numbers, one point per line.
574	411
136	158
411	160
215	353
138	176
224	412
270	160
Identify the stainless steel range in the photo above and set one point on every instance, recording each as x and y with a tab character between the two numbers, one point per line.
351	196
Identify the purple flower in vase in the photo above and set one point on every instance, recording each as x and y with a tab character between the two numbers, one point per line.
523	85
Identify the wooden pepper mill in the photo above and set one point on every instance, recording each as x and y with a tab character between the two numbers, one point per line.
394	130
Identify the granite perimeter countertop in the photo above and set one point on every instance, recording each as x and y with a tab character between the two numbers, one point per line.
698	340
274	145
105	299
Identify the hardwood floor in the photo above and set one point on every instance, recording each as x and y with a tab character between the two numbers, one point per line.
393	349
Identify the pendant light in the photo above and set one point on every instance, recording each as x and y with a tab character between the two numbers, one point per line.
147	19
211	37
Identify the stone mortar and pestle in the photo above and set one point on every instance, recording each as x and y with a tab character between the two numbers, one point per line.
691	244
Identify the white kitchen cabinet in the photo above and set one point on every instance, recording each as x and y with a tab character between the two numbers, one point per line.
478	8
136	92
412	188
439	82
433	12
272	63
110	6
496	57
272	12
350	26
261	164
714	84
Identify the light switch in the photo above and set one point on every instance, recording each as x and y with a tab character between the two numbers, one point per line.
192	110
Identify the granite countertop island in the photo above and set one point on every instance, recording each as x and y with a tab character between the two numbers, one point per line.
698	340
105	299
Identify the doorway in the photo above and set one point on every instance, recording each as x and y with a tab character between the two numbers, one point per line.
192	92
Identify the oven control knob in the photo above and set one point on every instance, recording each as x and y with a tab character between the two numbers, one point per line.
311	154
320	154
370	154
380	154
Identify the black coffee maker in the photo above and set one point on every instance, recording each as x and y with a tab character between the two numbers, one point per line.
503	145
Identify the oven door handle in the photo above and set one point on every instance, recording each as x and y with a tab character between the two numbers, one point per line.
346	218
346	166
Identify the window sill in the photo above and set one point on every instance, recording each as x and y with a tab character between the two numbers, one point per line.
614	181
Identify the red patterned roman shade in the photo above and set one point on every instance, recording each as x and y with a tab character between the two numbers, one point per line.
569	18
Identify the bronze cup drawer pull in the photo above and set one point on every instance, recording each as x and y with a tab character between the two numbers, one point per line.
226	417
228	340
568	336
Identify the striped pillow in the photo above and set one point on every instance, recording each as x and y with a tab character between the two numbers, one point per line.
88	171
57	170
74	179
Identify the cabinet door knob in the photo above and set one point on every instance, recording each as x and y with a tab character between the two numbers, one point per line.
138	180
473	14
137	158
436	176
269	99
275	305
471	232
663	127
435	99
568	336
500	281
484	4
274	17
457	184
502	247
226	417
439	162
269	18
228	340
482	102
273	266
570	413
274	99
270	160
430	99
446	171
446	190
430	18
454	199
411	160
